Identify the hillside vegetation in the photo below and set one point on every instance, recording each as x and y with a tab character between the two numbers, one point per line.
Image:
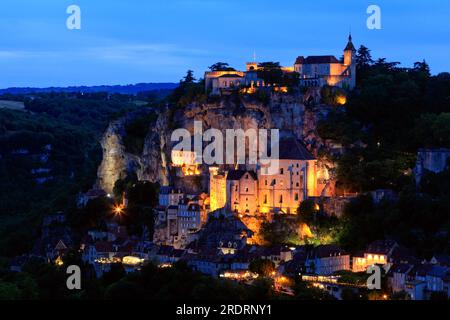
49	153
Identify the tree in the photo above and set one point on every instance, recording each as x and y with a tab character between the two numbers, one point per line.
307	211
123	290
262	267
143	193
363	57
116	273
270	72
262	289
385	67
221	66
432	130
305	292
189	78
422	67
350	294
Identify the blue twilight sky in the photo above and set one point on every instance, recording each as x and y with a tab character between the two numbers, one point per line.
131	41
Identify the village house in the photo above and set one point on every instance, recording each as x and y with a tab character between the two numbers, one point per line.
419	280
178	217
378	252
384	253
169	196
55	241
326	259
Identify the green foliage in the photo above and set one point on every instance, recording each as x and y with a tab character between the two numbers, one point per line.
352	294
115	274
416	221
270	72
143	193
188	92
91	111
178	282
262	267
281	230
49	154
393	112
142	198
330	95
92	215
307	211
354	278
432	130
9	291
365	169
339	126
123	185
291	79
137	130
303	291
221	66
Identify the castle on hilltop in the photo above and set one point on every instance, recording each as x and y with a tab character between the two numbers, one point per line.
313	71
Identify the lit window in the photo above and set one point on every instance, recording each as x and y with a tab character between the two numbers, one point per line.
369	257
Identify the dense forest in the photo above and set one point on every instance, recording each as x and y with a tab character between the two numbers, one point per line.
49	153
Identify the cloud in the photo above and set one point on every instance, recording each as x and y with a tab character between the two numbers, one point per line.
144	53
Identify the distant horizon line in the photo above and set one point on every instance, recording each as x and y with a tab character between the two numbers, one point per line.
90	86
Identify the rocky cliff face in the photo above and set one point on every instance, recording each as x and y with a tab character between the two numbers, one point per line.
284	112
117	163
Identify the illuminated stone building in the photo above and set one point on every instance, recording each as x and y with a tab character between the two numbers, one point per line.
314	71
326	259
185	160
217	188
242	191
250	192
378	252
295	181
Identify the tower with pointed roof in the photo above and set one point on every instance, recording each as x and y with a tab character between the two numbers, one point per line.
350	61
349	52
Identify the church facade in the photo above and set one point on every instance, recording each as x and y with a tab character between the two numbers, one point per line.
254	192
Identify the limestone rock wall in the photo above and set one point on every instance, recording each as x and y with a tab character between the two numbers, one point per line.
116	162
284	112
